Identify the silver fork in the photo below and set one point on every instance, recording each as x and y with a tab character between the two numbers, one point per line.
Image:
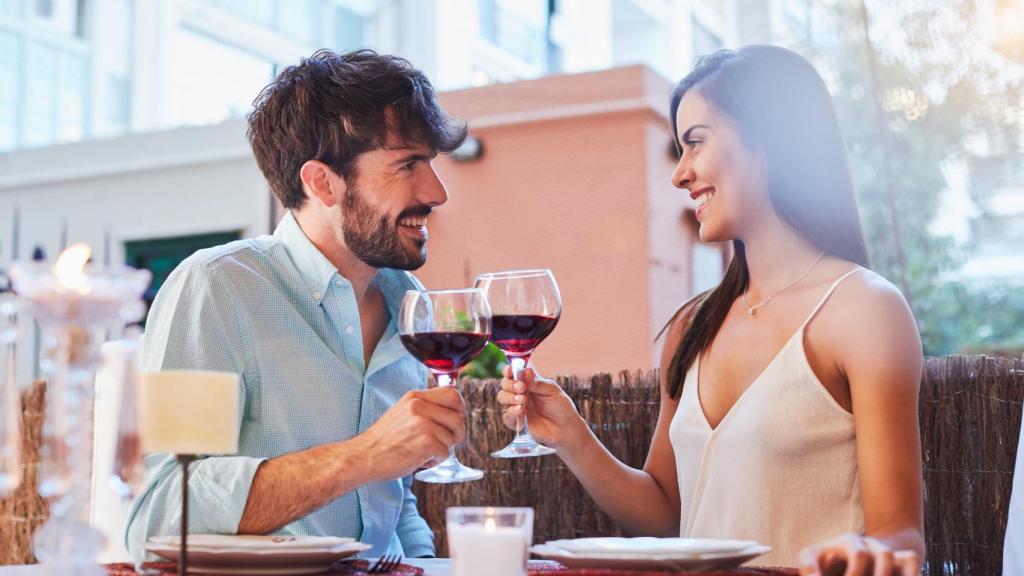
385	564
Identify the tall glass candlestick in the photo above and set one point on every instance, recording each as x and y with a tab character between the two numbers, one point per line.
75	306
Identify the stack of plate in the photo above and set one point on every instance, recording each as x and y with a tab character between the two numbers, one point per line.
679	554
220	554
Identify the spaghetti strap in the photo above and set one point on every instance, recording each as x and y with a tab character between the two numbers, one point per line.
828	295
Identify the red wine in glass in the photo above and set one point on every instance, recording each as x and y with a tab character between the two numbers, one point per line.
445	351
519	334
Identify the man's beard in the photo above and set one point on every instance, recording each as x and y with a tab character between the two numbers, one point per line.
374	238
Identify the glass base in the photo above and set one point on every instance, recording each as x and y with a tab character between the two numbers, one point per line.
521	449
446	473
69	547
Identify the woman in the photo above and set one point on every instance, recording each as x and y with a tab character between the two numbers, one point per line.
789	403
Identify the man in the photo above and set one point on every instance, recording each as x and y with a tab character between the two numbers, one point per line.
333	415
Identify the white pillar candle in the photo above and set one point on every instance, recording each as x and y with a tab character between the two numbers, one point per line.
493	541
188	412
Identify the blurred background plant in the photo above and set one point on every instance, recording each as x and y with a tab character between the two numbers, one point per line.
929	93
488	364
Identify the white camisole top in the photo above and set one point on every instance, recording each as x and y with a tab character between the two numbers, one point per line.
780	468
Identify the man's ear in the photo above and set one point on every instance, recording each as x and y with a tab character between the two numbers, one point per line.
320	183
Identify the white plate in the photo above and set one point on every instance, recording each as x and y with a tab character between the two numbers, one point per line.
259	561
703	562
647	546
271	542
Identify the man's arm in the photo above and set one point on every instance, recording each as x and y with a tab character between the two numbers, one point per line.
413	531
218	488
193	326
418	429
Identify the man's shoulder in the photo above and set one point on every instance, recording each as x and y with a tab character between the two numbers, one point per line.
249	256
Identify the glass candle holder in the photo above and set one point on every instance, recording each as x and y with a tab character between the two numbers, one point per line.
75	306
493	541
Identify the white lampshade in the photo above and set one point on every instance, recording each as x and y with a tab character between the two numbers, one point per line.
188	412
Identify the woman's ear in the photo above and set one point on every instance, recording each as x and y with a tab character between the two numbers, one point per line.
321	184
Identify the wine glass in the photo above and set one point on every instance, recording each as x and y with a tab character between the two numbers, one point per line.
526	307
445	329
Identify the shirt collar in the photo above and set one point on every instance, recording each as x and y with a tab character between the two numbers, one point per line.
314	268
317	271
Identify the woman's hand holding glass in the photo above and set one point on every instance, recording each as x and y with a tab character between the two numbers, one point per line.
554	420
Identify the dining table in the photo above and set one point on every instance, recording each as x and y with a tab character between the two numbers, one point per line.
424	567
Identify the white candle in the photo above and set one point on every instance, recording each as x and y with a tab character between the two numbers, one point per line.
494	546
188	412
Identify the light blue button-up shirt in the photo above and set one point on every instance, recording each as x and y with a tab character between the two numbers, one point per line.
274	310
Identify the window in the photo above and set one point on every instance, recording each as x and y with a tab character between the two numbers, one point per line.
704	40
66	16
111	84
69	101
706	261
257	11
10	8
299	19
9	62
38	117
54	106
518	27
348	29
213	81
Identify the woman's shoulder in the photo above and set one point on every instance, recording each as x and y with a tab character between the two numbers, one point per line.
870	311
867	293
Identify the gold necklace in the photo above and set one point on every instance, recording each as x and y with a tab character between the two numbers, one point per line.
751	310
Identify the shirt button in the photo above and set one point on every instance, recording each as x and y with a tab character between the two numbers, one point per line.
316	294
349	329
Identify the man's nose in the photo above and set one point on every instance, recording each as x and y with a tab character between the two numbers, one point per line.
432	191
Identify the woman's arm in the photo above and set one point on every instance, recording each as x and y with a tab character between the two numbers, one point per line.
641	501
879	352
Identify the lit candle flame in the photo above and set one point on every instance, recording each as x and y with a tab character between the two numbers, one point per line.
70	268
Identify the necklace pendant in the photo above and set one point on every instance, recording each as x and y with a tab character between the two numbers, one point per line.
751	311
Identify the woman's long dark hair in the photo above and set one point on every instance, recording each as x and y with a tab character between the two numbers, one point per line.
784	112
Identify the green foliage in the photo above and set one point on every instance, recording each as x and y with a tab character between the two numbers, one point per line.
488	364
961	318
910	100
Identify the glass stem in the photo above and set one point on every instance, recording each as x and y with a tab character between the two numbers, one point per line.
522	425
447	380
